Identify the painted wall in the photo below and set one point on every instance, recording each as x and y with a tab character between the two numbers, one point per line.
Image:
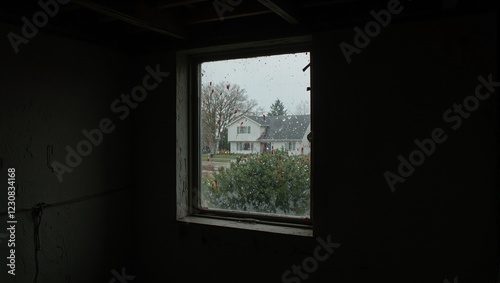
255	131
305	144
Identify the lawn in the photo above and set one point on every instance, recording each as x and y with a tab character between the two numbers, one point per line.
220	157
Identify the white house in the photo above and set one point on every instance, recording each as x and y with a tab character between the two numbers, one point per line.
255	134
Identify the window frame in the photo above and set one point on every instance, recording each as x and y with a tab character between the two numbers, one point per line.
242	130
189	174
246	146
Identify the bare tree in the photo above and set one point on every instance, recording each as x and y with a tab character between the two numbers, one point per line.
302	108
259	111
221	105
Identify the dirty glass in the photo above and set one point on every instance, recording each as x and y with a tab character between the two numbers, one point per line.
254	122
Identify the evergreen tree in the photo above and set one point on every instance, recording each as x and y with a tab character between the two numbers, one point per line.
277	109
269	182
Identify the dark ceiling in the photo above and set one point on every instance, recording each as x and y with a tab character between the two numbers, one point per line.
146	25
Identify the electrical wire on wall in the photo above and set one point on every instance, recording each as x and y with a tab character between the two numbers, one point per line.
68	201
36	214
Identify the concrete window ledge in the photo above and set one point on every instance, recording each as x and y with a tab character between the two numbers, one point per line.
248	225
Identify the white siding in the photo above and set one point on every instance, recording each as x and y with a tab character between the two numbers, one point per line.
255	131
235	148
301	147
305	142
279	145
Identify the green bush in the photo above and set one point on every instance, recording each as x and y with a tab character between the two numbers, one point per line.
269	183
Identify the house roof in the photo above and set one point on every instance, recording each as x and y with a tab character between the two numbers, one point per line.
251	118
260	119
292	127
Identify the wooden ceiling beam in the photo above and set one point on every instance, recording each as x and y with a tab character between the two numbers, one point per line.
70	8
146	17
177	3
243	10
283	9
321	3
449	4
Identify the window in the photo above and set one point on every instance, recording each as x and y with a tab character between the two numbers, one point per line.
247	145
244	146
268	89
243	130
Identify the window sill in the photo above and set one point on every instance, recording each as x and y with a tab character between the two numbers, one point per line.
279	228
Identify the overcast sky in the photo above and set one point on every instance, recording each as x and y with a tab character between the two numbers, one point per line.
265	78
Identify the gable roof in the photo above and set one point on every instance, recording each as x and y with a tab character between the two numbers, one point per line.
251	118
260	119
292	127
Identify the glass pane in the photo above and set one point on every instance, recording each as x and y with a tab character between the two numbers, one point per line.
255	117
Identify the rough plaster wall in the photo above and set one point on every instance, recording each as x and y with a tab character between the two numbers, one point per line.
154	188
49	92
181	138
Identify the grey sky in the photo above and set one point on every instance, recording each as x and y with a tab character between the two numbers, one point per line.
265	78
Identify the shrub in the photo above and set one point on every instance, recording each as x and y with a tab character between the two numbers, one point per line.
270	183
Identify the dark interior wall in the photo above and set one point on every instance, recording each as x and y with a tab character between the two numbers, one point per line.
49	92
153	151
439	224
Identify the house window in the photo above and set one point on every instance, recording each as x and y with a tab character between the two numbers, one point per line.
246	146
229	91
243	130
292	146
